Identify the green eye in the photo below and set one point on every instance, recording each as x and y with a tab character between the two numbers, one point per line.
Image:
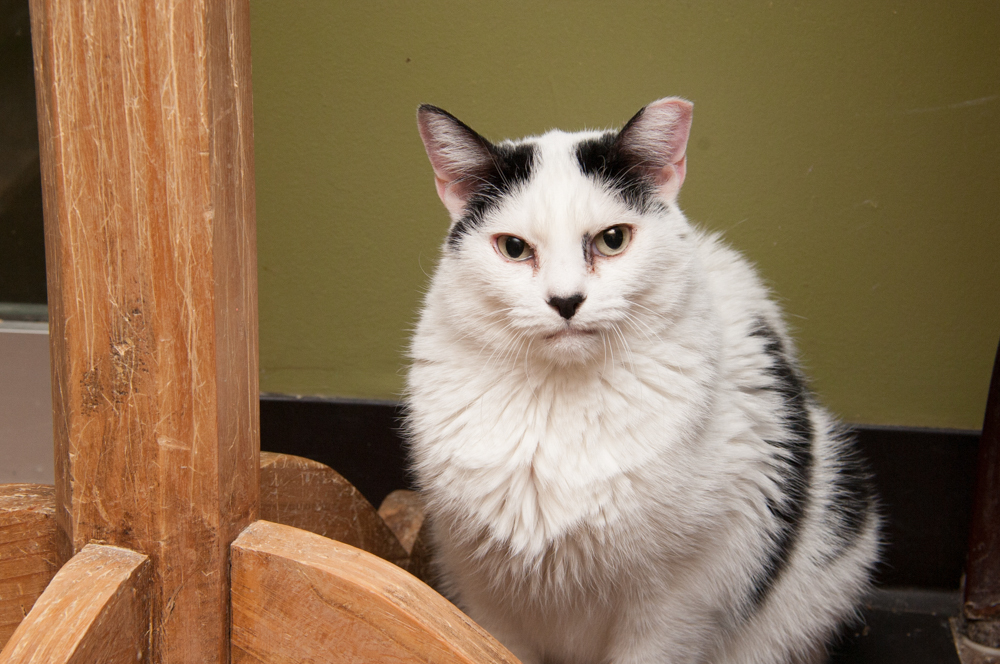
612	241
514	248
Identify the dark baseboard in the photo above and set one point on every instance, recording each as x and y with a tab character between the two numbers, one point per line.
359	439
924	477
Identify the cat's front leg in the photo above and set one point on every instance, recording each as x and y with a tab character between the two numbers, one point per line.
664	632
510	634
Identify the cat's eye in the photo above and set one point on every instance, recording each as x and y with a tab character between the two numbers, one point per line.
514	248
612	241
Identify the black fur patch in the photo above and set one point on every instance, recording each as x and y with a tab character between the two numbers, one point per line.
511	167
794	465
604	160
853	498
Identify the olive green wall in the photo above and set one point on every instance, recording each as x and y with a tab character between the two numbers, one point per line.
851	149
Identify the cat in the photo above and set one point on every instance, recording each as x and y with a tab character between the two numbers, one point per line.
620	458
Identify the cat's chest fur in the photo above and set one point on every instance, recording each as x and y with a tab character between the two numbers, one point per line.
533	452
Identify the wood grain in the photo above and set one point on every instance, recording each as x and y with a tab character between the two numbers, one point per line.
146	135
32	549
298	597
306	494
96	609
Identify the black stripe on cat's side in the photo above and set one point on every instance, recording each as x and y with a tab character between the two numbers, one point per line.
604	160
511	167
794	466
852	498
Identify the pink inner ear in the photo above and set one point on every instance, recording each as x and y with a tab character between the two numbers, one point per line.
453	194
456	154
671	177
660	135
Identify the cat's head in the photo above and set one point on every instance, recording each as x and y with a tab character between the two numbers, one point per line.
566	246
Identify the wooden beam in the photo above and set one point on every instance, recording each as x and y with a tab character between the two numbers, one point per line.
298	597
32	549
306	494
146	138
95	610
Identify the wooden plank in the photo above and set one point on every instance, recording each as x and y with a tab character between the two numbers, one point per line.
146	138
298	597
32	549
306	494
96	609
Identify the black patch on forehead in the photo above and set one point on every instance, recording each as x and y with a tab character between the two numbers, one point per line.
511	167
603	159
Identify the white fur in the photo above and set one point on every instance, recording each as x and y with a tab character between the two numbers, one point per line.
601	496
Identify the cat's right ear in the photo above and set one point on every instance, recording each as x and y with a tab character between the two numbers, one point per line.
656	138
460	157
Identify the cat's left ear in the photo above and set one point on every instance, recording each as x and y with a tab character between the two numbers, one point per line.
656	137
462	159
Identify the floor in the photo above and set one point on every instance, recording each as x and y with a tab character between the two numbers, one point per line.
902	626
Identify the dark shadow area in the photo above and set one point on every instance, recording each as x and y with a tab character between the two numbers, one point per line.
925	479
358	439
22	249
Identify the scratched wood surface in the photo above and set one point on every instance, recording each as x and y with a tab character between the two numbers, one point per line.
32	549
298	597
96	609
146	139
312	496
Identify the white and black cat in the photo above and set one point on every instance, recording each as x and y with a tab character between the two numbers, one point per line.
620	458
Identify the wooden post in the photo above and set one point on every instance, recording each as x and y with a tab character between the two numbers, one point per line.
981	607
146	134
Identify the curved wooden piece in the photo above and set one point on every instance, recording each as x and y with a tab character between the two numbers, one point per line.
96	609
403	511
32	549
298	597
309	495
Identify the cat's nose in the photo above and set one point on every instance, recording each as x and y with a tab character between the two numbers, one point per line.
566	306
